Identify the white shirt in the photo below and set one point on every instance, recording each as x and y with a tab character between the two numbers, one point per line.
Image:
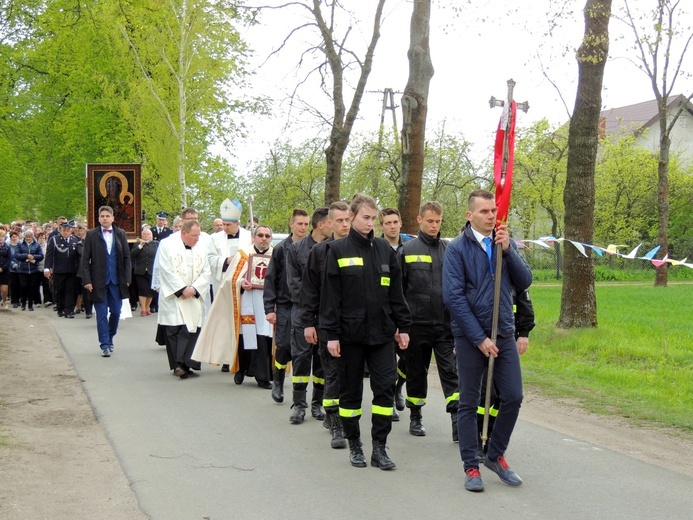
108	237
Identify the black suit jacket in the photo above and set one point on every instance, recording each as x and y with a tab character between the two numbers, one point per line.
94	262
165	233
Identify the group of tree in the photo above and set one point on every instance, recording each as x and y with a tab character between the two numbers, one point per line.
143	81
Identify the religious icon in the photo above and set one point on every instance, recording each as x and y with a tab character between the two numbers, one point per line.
117	186
257	270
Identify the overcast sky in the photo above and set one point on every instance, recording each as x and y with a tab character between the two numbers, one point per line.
475	50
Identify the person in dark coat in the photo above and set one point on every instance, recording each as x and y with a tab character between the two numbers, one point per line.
5	257
142	255
62	263
106	274
28	256
161	230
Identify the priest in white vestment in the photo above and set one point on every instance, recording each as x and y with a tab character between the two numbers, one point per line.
224	244
184	278
236	333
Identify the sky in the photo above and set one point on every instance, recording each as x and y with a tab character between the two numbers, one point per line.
474	49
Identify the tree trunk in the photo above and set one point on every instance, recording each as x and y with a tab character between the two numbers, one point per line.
415	108
343	121
578	299
662	273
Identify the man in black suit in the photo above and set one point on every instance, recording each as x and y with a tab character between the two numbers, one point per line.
106	274
161	231
62	263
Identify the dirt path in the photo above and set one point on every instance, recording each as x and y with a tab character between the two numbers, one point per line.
56	461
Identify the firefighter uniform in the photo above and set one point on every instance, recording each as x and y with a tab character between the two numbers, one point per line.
431	334
309	308
362	306
303	354
277	299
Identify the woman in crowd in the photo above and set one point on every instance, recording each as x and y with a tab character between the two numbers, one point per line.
5	257
85	300
177	224
45	283
142	255
15	288
28	256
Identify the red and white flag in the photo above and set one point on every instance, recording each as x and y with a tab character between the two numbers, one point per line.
503	157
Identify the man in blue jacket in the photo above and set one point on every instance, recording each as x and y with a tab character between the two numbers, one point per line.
468	287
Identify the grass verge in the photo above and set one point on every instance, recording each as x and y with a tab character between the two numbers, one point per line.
637	364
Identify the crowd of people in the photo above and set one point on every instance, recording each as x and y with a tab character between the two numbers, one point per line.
330	305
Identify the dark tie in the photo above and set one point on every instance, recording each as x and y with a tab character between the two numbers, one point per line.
489	251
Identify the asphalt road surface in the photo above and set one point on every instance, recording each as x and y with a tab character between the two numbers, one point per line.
205	448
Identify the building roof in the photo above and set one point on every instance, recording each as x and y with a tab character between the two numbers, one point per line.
635	118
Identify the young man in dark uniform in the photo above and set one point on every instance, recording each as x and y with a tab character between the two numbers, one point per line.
422	281
309	308
361	309
62	263
304	355
277	300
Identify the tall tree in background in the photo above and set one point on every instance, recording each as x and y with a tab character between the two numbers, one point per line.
343	120
187	53
415	109
662	34
578	299
333	59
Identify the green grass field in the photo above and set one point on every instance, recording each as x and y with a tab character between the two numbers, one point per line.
637	364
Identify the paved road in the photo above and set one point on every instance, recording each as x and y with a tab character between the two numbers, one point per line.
206	448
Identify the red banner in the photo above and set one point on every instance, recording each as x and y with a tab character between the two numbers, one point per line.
503	157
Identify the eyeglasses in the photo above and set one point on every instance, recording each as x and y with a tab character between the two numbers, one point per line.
261	235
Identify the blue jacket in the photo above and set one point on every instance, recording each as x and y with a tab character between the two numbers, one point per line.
468	287
21	253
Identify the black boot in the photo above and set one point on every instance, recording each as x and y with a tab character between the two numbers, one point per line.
316	408
299	407
356	456
395	415
278	385
338	441
379	459
399	398
455	435
416	427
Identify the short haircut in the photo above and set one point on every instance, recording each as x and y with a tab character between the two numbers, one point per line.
360	200
481	194
189	224
297	212
106	208
319	215
435	207
386	212
338	205
188	211
29	232
262	226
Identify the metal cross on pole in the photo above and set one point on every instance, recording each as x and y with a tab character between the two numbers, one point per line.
502	176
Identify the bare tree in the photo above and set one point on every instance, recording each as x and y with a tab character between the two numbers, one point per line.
415	109
654	47
338	58
578	299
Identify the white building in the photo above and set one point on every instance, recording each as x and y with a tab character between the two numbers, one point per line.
642	120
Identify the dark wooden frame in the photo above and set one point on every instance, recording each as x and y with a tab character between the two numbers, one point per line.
128	207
